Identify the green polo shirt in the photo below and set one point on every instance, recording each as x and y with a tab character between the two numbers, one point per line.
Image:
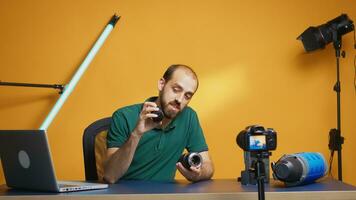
158	149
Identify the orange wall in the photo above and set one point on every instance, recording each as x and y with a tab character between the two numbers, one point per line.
251	68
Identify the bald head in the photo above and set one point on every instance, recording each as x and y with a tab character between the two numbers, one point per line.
168	74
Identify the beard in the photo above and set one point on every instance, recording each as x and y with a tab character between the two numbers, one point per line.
170	109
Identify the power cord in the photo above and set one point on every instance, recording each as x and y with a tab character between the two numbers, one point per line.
355	72
355	61
331	162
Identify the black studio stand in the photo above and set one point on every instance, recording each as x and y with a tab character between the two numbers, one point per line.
335	138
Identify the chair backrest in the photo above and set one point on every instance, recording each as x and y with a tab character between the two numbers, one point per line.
94	148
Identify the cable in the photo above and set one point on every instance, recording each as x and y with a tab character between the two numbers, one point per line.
355	61
331	162
354	39
355	73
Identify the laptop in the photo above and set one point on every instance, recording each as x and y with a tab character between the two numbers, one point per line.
27	163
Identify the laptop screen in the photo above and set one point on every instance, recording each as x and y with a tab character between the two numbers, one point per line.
26	160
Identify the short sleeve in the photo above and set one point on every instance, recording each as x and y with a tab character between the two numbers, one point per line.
196	141
119	130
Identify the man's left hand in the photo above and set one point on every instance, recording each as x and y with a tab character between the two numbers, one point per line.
192	175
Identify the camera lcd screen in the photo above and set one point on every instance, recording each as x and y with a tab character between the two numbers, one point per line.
257	142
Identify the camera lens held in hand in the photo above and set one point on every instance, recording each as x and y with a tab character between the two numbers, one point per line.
159	114
191	159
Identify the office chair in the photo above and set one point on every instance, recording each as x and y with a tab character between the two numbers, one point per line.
94	148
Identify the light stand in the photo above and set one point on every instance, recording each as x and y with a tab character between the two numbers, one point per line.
335	138
317	37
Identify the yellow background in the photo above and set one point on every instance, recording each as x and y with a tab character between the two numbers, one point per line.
251	69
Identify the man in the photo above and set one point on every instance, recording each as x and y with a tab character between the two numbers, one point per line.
140	148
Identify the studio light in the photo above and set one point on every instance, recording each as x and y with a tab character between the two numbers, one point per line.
318	37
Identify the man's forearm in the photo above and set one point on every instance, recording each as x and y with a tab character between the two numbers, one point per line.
117	165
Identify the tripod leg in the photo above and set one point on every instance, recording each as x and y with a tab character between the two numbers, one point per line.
260	174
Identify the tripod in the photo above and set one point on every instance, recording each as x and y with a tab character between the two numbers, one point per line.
257	171
260	175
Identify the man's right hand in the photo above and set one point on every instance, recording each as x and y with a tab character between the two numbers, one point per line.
145	122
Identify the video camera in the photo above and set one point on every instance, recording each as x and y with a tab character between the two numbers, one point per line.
256	141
